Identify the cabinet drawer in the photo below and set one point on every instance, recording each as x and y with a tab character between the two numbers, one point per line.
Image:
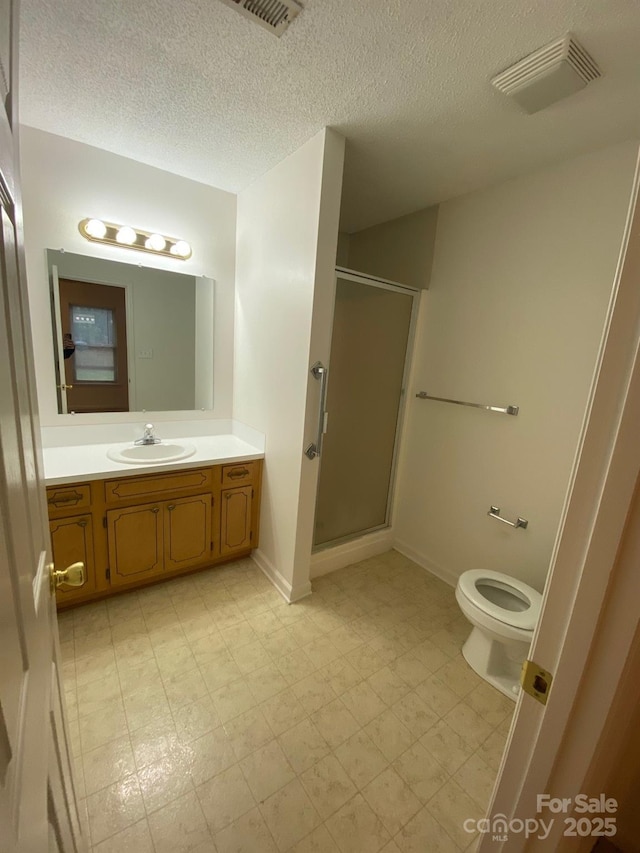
242	472
68	497
157	485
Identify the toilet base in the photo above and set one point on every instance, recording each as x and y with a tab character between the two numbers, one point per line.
496	662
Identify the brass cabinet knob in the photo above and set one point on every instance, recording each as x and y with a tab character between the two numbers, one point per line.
72	576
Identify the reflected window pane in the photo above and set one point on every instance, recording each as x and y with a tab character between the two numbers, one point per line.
94	334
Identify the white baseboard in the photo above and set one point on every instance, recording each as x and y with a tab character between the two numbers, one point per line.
369	545
424	562
287	591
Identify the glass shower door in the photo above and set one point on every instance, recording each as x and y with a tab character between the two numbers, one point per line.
371	329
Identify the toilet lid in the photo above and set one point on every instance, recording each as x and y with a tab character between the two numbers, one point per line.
525	619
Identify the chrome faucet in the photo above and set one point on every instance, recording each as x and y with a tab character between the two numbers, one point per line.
148	437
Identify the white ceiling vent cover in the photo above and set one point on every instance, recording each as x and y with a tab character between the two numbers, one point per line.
555	71
273	15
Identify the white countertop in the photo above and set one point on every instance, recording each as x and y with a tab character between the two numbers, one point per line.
83	462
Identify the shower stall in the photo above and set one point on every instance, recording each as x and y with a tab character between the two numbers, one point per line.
371	340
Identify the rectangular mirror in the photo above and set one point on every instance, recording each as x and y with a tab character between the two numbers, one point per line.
129	338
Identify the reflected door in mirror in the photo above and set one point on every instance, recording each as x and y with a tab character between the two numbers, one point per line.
94	329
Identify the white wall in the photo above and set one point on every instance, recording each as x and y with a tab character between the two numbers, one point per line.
64	181
286	249
521	280
399	250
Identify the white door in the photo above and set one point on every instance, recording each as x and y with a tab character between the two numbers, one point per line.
554	745
38	812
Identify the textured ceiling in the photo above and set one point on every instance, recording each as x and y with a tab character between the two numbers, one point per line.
194	88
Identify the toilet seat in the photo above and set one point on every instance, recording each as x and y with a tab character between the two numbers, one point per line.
525	619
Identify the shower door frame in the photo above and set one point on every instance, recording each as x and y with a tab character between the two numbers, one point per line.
415	294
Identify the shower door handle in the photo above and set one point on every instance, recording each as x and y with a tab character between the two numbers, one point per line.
319	371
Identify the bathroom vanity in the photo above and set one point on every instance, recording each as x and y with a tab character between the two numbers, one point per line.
133	529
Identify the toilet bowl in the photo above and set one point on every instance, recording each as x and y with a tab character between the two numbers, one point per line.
504	612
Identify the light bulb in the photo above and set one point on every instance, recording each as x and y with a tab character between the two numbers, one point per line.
126	235
155	242
181	248
96	228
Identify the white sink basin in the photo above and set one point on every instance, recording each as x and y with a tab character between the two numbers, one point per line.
155	453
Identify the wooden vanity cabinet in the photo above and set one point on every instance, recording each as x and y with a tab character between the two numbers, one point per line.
235	522
72	542
140	529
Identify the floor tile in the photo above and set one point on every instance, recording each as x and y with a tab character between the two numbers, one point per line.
295	666
303	745
340	675
414	713
248	732
115	808
356	828
266	770
210	687
165	780
251	656
92	697
134	839
108	763
363	703
328	786
212	753
98	729
436	695
225	798
459	677
446	746
151	742
490	704
451	807
468	724
392	800
492	750
423	834
390	736
388	685
319	841
233	699
247	834
184	688
266	682
477	779
289	814
361	758
410	669
335	723
424	775
283	711
180	827
313	692
196	719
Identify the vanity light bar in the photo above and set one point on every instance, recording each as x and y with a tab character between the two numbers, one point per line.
99	231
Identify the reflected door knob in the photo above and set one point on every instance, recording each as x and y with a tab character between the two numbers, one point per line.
72	576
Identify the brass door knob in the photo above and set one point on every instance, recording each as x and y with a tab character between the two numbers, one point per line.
72	576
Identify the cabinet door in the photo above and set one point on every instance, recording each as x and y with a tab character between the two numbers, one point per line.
187	532
235	533
135	543
72	542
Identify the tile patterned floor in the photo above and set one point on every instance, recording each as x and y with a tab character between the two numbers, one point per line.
207	715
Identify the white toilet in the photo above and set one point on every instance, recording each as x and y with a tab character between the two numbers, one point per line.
504	612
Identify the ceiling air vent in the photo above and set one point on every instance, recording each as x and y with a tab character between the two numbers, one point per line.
273	15
555	71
